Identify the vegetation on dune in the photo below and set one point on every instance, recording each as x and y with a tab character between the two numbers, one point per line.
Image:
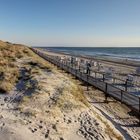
9	68
10	54
10	73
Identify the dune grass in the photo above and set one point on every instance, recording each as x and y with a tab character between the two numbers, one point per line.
9	69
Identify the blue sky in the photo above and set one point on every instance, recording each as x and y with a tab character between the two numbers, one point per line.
71	22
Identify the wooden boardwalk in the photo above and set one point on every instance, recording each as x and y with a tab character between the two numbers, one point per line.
109	89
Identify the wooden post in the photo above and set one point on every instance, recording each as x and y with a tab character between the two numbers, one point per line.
89	72
106	94
80	75
69	67
76	73
95	75
113	80
87	83
126	85
103	77
121	96
79	68
61	65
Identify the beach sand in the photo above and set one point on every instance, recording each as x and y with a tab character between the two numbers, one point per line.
119	114
120	67
54	111
48	103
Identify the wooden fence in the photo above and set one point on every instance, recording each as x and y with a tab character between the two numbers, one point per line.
123	96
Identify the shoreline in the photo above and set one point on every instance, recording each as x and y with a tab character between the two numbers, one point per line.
125	62
121	67
114	111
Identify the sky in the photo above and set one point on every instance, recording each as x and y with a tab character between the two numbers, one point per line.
79	23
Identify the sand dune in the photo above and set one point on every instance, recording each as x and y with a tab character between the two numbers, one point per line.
47	103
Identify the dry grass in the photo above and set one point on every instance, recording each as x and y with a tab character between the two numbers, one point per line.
9	70
72	98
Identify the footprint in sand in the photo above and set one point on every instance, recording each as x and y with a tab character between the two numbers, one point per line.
2	125
47	134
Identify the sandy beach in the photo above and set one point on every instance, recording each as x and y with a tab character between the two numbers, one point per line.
119	114
120	67
48	103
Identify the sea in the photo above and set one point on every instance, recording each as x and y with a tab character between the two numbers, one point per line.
132	53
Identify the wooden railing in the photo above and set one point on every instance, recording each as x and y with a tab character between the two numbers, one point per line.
133	101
